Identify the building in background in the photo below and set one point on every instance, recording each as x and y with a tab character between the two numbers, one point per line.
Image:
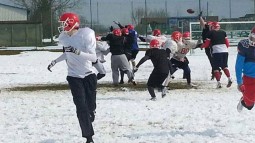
12	13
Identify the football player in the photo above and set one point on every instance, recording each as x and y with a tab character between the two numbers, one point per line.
79	52
218	40
156	34
208	51
118	59
159	59
245	73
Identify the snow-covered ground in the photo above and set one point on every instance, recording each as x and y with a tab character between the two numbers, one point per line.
203	115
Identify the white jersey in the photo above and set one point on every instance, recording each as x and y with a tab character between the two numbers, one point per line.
172	45
162	39
101	50
184	48
85	41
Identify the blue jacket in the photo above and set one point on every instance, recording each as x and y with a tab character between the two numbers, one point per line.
134	45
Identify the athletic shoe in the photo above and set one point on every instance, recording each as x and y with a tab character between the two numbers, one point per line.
131	80
192	85
229	83
218	85
121	82
164	92
240	105
153	99
212	77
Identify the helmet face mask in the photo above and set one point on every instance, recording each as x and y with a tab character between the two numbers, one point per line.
117	32
176	36
125	31
68	22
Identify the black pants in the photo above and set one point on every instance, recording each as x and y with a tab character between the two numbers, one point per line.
208	52
84	98
183	65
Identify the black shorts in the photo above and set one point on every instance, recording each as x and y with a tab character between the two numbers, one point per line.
220	60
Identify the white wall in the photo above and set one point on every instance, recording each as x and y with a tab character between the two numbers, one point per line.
8	13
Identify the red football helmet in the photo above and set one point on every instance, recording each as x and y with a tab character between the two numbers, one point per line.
124	31
68	21
156	32
154	43
186	35
130	27
252	37
176	36
117	32
215	25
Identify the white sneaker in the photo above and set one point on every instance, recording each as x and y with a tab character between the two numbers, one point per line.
240	105
218	85
164	92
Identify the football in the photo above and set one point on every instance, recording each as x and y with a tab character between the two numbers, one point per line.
190	11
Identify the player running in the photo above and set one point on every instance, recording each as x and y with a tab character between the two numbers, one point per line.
159	59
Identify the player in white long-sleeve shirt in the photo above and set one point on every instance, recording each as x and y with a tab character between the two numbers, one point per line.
180	60
156	34
79	52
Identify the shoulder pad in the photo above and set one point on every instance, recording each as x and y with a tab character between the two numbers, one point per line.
245	43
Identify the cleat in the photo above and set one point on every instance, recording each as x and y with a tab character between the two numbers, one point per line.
192	85
164	92
153	99
212	77
240	106
229	83
218	85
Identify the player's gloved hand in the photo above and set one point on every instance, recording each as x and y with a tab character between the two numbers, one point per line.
72	49
51	65
111	28
241	88
135	69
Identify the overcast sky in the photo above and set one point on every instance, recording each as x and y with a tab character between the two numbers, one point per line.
120	10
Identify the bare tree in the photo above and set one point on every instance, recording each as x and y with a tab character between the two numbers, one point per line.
137	15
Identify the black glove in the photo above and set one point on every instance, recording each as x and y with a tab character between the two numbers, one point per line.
200	15
116	22
72	49
111	28
51	65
